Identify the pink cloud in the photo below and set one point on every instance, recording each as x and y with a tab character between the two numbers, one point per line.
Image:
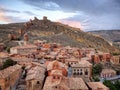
75	24
3	17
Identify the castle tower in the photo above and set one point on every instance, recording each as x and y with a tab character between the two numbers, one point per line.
30	20
20	31
45	18
26	39
35	18
10	36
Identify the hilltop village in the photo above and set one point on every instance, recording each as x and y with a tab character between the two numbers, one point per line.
50	66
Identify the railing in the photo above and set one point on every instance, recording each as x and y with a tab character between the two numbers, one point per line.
110	78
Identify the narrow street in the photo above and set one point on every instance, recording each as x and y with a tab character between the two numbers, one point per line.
21	83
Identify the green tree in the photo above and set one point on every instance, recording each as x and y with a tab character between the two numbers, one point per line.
8	62
109	84
117	85
8	49
97	68
96	79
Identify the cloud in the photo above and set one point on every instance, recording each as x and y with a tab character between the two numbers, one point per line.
92	14
29	13
8	10
44	4
14	19
3	17
89	6
71	23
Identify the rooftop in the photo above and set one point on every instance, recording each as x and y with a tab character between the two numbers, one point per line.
97	86
108	71
36	73
65	83
50	65
24	46
82	63
8	71
4	55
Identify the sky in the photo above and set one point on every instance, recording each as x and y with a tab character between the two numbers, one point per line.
84	14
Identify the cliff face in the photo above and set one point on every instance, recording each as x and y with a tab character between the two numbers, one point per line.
55	32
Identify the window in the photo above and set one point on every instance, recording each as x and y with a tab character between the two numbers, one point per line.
55	66
53	77
55	86
81	73
86	72
74	73
30	83
77	73
38	82
58	77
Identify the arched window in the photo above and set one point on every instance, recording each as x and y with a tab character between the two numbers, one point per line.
86	72
74	73
77	73
81	72
58	77
55	65
38	82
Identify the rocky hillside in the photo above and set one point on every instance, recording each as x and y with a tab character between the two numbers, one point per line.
54	32
111	35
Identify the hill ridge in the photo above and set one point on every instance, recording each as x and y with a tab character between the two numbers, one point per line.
56	32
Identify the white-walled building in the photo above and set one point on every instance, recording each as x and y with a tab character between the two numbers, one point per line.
23	50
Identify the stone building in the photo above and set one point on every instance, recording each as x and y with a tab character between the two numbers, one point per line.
71	61
106	73
23	50
106	57
100	57
21	59
9	77
3	57
56	65
45	18
35	77
2	46
39	43
97	86
95	59
20	32
83	69
26	38
57	81
115	59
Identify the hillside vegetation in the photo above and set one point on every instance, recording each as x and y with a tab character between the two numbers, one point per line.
55	32
111	35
